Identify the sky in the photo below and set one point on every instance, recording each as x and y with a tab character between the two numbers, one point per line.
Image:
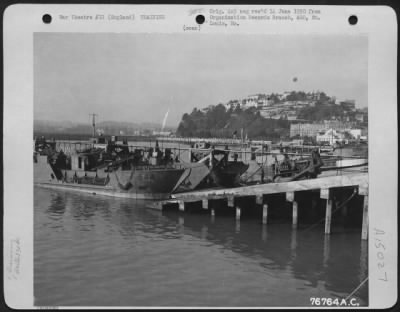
139	77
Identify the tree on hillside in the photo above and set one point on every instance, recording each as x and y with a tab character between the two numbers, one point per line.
217	121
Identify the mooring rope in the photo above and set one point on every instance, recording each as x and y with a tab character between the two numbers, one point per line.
336	209
358	287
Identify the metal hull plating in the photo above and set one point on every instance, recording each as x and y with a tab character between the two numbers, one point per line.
142	183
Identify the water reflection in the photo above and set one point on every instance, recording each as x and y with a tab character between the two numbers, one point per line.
293	243
56	205
312	256
237	227
264	234
116	227
326	250
204	232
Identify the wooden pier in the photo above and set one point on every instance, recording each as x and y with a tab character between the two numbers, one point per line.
326	186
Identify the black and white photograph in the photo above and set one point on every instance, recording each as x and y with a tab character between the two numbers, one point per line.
202	169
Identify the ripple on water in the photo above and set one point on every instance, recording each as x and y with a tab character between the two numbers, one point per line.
92	250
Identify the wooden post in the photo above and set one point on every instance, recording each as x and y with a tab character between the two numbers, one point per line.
328	216
181	205
238	213
364	233
265	214
259	199
294	212
204	203
324	194
231	201
363	190
290	198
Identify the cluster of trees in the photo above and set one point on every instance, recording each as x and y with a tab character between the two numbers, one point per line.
217	121
321	111
300	96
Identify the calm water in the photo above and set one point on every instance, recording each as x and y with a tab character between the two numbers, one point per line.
100	251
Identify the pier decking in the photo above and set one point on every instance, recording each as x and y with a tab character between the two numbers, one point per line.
358	182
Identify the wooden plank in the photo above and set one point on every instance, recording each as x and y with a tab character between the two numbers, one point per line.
364	233
328	216
283	187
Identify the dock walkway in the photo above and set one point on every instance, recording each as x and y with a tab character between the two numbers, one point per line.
325	185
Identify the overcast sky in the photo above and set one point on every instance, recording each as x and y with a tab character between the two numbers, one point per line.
138	77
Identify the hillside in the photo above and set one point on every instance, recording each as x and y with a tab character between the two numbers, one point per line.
217	121
269	116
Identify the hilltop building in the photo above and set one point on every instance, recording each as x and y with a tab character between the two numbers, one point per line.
306	129
330	136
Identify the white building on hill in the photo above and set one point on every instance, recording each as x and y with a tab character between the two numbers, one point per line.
330	136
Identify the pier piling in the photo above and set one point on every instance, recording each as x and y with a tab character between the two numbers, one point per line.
324	194
259	199
364	231
290	198
295	208
328	216
181	205
237	198
231	201
265	214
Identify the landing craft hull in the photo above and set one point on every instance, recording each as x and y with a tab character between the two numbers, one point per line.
144	183
229	175
194	174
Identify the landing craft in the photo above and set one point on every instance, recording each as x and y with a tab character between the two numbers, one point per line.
113	171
